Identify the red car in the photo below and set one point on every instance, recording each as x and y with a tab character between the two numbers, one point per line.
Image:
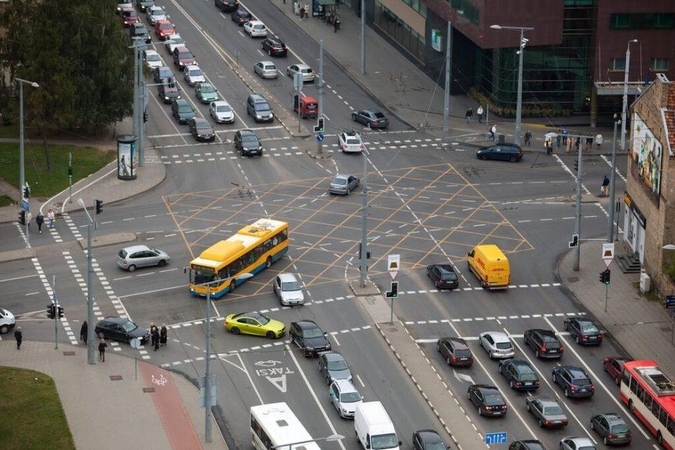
129	17
613	365
163	29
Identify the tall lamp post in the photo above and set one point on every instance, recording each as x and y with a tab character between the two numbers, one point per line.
624	109
612	187
90	288
331	438
519	101
22	174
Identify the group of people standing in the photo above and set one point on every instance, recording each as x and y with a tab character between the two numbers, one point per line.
158	336
40	219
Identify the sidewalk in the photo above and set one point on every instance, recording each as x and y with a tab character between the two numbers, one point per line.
111	405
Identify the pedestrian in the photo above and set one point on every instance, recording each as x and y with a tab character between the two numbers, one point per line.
39	220
163	335
549	146
589	144
564	133
569	144
307	10
155	339
577	144
336	24
18	335
468	115
302	12
605	186
84	329
558	138
51	217
29	218
528	137
101	350
493	132
296	8
479	111
598	140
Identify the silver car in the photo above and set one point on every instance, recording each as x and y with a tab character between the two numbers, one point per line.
266	69
497	344
288	289
221	112
304	69
136	256
345	398
155	13
343	184
193	75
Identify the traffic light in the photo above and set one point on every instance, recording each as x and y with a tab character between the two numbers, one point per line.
145	116
576	165
604	276
319	128
60	311
367	252
50	310
70	172
99	206
394	289
22	217
26	192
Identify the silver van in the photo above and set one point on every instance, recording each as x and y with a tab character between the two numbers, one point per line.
258	108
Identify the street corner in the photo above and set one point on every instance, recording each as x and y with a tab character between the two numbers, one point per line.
316	155
108	239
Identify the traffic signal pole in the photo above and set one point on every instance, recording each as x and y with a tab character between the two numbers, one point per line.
320	142
90	287
56	316
577	218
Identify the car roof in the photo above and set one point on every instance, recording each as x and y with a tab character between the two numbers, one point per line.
547	401
247	133
220	103
576	372
486	387
266	63
151	52
520	364
498	336
445	267
192	67
286	276
458	342
345	385
579	441
200	120
181	102
306	324
136	248
429	436
612	418
255	22
115	319
333	356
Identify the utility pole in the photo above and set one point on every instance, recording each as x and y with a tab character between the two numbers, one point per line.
577	218
90	289
363	37
363	269
624	109
207	373
319	142
612	187
448	79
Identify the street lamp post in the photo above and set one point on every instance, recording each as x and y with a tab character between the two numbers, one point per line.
519	101
22	173
331	438
625	95
90	289
612	187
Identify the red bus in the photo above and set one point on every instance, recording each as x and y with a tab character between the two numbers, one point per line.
650	395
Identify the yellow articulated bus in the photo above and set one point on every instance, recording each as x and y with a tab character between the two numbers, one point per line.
252	249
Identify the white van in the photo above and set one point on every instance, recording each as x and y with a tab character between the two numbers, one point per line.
374	429
7	321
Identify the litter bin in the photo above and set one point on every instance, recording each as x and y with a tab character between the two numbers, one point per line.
126	157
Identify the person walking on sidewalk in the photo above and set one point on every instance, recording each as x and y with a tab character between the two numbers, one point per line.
589	144
163	335
605	187
336	24
51	217
84	329
155	339
577	144
302	12
479	111
598	140
558	138
29	218
18	335
39	220
493	132
528	138
101	350
468	115
564	133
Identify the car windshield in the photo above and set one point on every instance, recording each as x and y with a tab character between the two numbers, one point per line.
262	107
176	41
249	138
129	326
379	115
153	57
383	441
582	382
223	108
185	54
165	26
313	332
290	286
494	399
351	140
185	109
203	126
195	73
503	345
553	411
340	181
337	364
350	397
589	328
207	88
620	428
260	318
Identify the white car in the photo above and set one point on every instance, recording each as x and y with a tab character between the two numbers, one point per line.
173	41
288	289
497	344
7	321
221	112
345	397
193	75
350	142
304	69
255	28
155	13
576	443
266	69
152	59
122	5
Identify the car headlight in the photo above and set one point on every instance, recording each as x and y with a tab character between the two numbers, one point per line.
258	116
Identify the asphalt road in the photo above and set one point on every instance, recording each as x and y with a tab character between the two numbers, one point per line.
429	201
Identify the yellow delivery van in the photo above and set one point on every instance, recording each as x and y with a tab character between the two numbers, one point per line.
490	266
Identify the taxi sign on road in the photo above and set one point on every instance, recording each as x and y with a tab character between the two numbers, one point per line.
393	264
608	253
496	438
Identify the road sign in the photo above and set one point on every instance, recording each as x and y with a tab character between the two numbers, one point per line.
608	253
135	343
25	205
393	264
670	301
575	241
496	438
320	137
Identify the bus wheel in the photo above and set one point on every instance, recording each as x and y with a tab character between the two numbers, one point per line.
268	263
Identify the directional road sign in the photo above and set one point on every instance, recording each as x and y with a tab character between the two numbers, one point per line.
496	438
320	137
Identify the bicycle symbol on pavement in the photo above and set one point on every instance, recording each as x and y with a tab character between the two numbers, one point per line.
161	381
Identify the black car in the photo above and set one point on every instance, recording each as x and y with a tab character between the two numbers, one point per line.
584	331
121	329
274	46
574	381
161	73
168	90
311	339
139	31
487	399
241	16
182	111
455	351
612	429
201	129
428	440
371	118
227	5
529	444
247	142
520	374
443	276
544	343
334	366
501	152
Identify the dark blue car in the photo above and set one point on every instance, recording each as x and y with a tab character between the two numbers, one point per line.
574	381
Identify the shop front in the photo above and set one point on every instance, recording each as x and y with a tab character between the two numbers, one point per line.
634	226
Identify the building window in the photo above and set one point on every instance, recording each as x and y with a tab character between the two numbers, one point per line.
642	21
617	64
659	64
618	21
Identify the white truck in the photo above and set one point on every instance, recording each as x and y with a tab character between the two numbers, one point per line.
374	429
7	321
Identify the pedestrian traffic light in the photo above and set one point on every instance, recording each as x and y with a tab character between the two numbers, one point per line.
70	172
26	192
22	217
394	289
145	116
318	128
60	311
607	275
99	206
50	310
576	165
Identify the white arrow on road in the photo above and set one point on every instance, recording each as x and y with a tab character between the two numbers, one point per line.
462	377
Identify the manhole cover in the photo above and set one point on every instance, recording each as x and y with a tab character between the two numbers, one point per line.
69	353
115	377
148	390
